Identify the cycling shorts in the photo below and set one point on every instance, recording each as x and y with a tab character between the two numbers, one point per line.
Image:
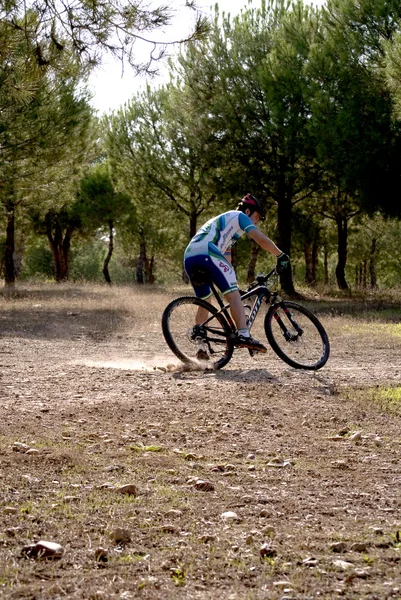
216	267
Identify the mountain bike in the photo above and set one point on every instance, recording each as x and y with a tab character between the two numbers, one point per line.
294	333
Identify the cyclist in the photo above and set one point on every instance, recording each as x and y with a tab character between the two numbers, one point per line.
208	253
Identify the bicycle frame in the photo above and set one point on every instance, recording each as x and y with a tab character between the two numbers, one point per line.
261	292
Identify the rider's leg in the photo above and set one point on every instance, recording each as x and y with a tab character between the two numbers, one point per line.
237	309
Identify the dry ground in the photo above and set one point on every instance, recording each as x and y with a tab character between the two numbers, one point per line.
81	384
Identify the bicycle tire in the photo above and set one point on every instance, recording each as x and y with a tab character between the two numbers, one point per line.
178	321
313	343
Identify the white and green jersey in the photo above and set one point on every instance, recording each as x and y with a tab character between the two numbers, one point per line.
220	233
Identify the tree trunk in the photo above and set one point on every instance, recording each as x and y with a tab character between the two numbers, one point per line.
109	254
9	269
364	273
140	263
372	264
342	232
255	249
315	261
18	255
60	247
192	224
326	264
284	234
151	264
309	277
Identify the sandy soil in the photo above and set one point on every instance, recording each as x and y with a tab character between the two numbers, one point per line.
84	380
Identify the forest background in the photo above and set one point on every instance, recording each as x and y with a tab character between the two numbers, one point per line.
299	105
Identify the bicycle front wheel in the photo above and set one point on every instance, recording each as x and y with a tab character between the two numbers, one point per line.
185	338
297	336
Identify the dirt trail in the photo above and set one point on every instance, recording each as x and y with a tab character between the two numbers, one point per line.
68	373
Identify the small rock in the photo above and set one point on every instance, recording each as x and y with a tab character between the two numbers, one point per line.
338	547
230	516
269	530
251	456
251	468
129	489
32	451
356	437
101	554
229	467
361	573
247	499
278	463
342	564
120	535
265	512
360	547
10	510
378	530
204	486
378	442
267	551
43	549
20	447
174	513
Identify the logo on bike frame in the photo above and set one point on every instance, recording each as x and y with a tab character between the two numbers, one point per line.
223	266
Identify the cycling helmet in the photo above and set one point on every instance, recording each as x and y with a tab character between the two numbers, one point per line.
253	204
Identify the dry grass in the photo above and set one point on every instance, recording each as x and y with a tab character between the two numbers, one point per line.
81	384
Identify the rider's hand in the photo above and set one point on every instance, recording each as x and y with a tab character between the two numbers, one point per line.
283	263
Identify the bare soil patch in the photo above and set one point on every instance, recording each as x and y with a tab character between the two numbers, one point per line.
85	383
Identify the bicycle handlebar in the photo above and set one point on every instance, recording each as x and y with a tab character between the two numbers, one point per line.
261	279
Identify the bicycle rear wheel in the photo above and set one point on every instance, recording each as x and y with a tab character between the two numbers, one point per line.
297	336
183	335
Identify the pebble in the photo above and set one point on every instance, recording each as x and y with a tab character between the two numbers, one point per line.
267	550
278	463
120	535
101	554
32	451
356	437
338	547
20	447
342	564
204	486
129	489
360	547
10	510
230	516
43	549
174	513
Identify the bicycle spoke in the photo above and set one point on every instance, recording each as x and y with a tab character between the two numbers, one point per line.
297	336
186	339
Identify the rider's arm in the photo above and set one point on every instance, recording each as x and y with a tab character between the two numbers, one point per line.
265	242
